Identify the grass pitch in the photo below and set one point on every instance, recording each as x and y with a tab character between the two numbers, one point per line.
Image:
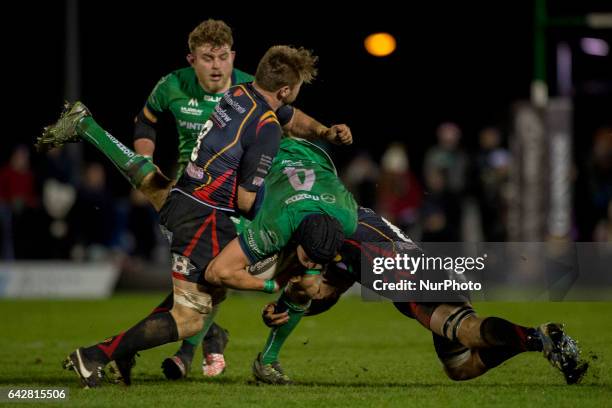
357	354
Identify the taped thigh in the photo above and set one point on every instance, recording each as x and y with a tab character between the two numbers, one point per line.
201	302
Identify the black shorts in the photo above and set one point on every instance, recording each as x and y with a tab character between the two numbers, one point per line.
196	232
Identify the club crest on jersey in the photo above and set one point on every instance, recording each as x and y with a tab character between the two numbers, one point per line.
238	92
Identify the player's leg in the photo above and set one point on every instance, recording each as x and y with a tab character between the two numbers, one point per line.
201	233
192	306
298	299
490	341
214	342
76	124
213	339
459	361
295	301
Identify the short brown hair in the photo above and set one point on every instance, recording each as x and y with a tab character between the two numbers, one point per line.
213	32
283	65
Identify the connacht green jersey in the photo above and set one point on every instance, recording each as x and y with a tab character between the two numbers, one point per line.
181	94
301	181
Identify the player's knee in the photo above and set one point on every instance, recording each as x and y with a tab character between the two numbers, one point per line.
459	366
188	321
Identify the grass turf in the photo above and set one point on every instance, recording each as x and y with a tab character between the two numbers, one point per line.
357	354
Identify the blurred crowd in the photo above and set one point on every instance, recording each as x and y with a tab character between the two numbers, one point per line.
51	211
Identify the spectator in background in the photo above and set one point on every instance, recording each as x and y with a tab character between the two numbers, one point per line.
399	193
492	168
439	207
448	158
93	216
361	178
18	203
447	161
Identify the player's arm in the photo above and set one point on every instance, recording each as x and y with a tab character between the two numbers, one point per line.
298	124
145	132
261	144
229	269
145	123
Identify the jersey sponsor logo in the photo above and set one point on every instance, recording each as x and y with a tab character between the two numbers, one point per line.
234	104
302	196
328	198
221	114
251	242
191	125
193	102
120	145
191	111
210	98
194	171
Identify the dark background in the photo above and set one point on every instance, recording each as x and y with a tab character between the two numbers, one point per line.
460	61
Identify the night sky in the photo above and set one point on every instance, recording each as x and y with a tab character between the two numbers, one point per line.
464	61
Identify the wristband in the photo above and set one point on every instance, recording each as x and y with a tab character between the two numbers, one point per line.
269	286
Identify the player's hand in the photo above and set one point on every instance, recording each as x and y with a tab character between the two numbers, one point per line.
339	134
272	319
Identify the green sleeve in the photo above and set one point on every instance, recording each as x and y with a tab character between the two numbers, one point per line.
159	99
265	237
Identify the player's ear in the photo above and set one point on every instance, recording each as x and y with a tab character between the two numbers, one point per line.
284	92
190	58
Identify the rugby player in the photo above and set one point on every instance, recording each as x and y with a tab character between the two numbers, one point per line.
189	95
467	345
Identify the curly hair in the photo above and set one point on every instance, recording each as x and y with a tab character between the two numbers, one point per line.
283	65
214	32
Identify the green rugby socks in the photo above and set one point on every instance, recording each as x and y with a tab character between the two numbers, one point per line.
133	166
278	335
